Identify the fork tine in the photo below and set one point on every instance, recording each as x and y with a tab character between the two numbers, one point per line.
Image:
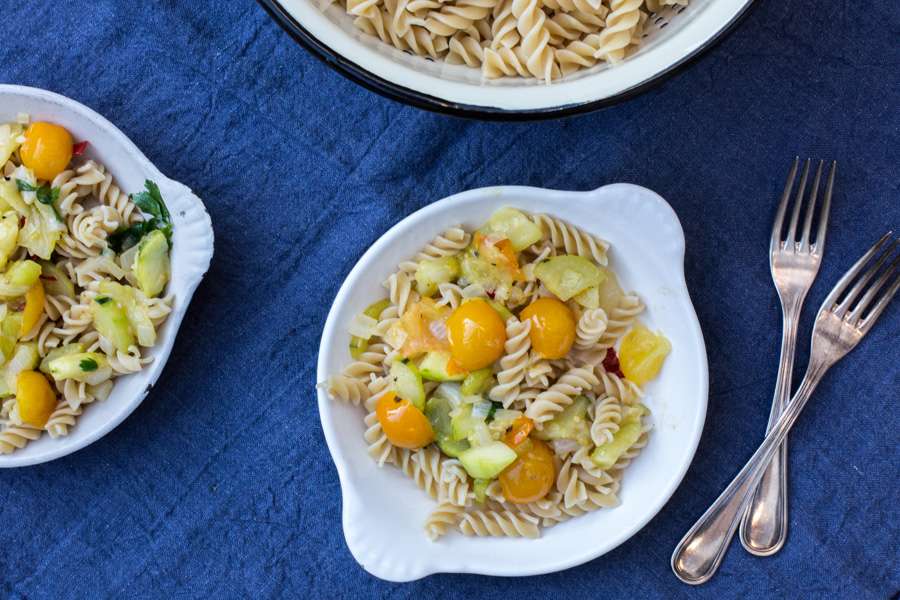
864	302
876	311
782	206
791	236
811	207
826	208
864	280
850	275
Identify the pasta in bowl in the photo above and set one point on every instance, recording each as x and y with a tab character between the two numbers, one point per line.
510	374
99	256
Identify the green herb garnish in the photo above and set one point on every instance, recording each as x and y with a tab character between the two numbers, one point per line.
45	193
88	364
151	204
493	409
102	299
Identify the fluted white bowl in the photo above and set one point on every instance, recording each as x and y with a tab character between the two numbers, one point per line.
192	249
383	511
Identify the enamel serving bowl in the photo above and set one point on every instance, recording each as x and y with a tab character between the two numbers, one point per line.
192	249
671	39
384	512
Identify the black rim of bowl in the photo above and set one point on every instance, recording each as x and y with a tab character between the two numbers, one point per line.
393	91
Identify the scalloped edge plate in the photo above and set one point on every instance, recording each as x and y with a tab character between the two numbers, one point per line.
192	251
383	511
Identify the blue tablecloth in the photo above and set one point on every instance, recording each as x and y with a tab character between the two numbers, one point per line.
220	484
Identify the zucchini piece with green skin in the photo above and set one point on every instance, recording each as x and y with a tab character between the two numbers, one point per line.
56	281
56	353
89	367
589	298
568	275
432	272
18	279
135	310
357	344
151	265
477	382
408	383
111	321
25	357
469	422
570	424
476	269
515	226
488	461
437	410
629	432
9	235
435	367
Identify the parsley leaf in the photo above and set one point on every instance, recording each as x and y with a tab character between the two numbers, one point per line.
151	203
102	300
45	194
493	409
88	364
24	186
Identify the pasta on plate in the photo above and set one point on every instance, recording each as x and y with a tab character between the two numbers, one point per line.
543	39
503	374
84	268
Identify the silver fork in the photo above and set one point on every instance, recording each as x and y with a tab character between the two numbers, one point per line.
843	320
794	261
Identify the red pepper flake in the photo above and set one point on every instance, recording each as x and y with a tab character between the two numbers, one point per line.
48	277
491	293
79	148
611	363
21	222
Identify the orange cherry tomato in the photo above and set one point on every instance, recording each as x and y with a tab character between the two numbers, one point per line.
403	424
552	327
47	150
477	335
519	431
531	476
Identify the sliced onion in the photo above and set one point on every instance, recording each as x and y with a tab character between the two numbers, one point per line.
362	326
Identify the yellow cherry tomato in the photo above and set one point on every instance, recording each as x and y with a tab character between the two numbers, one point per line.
531	476
403	424
552	327
34	307
642	353
477	335
35	398
47	150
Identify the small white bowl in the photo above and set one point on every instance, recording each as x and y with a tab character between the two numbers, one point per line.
192	249
670	39
384	511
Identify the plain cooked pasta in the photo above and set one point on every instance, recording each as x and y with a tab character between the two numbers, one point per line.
511	38
450	403
71	233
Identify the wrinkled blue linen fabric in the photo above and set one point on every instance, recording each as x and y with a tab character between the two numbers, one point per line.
220	485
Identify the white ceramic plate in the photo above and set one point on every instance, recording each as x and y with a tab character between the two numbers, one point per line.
192	250
671	38
383	511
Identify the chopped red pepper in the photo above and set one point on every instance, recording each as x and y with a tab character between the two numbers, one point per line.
79	148
611	363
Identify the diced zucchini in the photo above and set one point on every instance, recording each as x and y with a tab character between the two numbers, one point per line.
19	278
359	345
151	266
436	367
432	272
474	268
91	367
56	281
56	353
610	293
136	311
25	358
505	313
477	382
488	461
111	321
501	420
512	224
605	456
468	422
479	487
568	275
437	409
408	383
589	298
570	424
9	235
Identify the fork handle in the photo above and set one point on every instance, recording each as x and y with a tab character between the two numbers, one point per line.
700	552
765	522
